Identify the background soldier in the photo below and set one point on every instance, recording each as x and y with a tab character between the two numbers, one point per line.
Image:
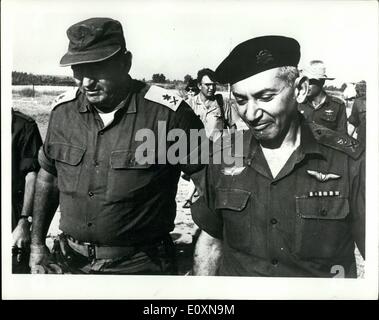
321	107
116	210
26	141
358	112
211	108
191	88
297	205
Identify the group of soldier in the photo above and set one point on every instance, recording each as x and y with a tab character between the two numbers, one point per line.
294	206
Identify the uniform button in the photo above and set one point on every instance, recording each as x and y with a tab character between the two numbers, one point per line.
95	163
101	133
90	194
248	162
323	212
275	262
274	183
273	221
89	224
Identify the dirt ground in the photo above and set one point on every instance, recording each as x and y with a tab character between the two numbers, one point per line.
185	229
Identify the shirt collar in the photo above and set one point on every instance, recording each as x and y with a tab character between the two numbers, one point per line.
308	143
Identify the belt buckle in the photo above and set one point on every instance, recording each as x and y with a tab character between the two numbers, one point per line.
91	251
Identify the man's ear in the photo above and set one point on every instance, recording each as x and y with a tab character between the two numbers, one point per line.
127	60
301	88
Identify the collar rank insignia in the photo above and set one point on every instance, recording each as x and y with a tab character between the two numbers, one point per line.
165	97
232	171
323	177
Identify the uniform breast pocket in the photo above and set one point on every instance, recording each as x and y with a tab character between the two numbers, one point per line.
129	175
68	160
233	205
321	226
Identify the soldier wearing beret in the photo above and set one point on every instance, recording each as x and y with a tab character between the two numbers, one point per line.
294	206
26	141
117	209
320	107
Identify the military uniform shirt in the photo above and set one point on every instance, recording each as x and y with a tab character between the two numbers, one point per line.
303	223
107	195
331	113
358	118
26	141
210	113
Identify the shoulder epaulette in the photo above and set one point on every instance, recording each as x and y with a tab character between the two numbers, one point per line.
65	97
337	140
336	99
164	97
23	116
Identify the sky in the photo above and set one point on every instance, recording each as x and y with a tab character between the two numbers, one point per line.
180	37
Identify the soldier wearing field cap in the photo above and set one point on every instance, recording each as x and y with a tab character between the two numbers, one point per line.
117	207
321	107
293	205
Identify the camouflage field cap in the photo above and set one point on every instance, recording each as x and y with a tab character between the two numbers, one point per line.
257	55
93	40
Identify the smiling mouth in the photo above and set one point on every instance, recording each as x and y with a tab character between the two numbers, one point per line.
261	126
92	93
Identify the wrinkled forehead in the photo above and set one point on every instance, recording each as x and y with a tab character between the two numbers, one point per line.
266	80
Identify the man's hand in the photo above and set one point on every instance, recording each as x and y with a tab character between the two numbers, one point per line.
39	258
21	234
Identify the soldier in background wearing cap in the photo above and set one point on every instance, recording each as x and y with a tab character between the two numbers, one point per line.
321	107
116	210
296	207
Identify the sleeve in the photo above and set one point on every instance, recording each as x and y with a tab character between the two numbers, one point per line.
357	201
354	116
342	120
31	144
187	120
203	210
44	160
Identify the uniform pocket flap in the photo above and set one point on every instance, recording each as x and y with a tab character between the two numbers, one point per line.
232	199
66	153
331	208
130	159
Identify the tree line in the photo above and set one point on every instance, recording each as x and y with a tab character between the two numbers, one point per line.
23	78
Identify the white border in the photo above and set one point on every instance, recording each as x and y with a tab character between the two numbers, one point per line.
147	287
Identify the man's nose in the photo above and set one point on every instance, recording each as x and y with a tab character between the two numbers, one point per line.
253	112
88	82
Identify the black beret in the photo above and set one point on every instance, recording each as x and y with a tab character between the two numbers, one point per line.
93	40
257	55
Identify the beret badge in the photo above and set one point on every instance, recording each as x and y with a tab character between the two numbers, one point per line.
264	57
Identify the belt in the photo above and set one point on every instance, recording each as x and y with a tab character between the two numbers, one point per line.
93	251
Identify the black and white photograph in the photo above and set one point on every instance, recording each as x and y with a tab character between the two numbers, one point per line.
189	150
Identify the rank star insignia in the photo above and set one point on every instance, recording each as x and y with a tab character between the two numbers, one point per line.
174	101
323	177
166	97
342	141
